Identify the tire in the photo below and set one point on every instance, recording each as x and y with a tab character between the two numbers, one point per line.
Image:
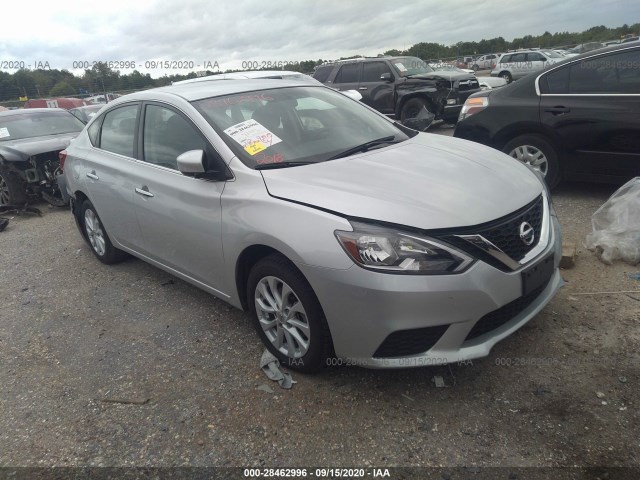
507	77
96	236
476	67
538	152
299	339
12	189
411	109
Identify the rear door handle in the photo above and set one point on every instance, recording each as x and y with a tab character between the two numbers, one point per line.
557	110
144	191
362	88
92	175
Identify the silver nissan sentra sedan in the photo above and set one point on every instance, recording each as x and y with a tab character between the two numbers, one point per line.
348	237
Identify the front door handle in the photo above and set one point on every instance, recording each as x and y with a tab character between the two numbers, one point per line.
559	110
92	175
362	88
144	191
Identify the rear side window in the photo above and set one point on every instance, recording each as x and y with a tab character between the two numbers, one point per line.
619	73
556	82
518	57
348	73
322	73
94	132
372	71
118	130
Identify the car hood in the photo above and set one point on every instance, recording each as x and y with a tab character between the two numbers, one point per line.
427	182
21	149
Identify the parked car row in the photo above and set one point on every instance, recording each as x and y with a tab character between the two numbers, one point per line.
576	119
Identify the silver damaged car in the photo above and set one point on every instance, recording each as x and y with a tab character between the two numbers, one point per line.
347	237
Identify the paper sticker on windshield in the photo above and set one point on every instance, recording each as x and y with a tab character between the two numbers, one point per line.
252	136
401	67
4	132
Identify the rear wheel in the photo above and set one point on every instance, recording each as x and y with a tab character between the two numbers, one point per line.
287	315
12	189
507	77
97	237
538	153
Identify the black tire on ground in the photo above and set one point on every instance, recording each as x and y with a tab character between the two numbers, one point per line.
507	76
12	189
476	67
97	237
320	349
412	107
552	173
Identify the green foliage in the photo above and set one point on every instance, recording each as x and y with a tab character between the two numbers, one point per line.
62	89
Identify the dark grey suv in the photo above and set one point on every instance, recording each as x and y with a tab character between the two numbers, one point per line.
406	88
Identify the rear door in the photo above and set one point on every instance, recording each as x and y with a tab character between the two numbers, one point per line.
593	106
347	77
109	169
375	92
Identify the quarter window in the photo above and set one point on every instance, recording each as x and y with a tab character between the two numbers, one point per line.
119	130
166	135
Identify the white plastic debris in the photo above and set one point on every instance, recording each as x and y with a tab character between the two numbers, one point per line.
616	226
439	381
271	368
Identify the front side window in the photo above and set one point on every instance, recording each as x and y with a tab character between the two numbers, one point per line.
371	71
166	135
348	73
294	124
119	130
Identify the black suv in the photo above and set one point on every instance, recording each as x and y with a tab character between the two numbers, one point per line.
406	88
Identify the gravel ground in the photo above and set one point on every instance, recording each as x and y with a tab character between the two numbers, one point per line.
129	366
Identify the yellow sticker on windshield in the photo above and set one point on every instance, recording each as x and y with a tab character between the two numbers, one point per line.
255	147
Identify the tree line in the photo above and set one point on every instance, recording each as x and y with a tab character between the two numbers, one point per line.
100	78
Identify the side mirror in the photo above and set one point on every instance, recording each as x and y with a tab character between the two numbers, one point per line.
386	77
191	163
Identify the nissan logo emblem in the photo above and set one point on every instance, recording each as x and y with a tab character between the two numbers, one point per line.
527	235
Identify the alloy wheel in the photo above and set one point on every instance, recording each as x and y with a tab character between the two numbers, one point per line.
282	317
95	234
532	156
4	191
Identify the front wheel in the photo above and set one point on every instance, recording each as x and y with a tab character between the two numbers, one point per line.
415	114
538	153
12	189
287	315
97	237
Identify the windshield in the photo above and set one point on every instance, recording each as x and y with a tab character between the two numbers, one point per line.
408	66
29	125
293	124
551	54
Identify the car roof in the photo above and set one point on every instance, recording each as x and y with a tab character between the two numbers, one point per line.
251	74
198	90
30	111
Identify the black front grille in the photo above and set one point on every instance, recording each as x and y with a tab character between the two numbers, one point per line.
504	233
502	315
506	236
410	342
468	85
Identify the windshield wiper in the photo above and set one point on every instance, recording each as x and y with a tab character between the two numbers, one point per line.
269	166
365	146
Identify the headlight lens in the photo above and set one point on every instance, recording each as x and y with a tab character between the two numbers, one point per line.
393	251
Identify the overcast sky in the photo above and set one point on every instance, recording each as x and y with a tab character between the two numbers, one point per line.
232	32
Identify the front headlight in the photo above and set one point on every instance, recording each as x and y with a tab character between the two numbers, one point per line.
393	251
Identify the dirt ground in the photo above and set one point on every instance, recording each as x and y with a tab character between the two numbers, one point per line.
129	366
